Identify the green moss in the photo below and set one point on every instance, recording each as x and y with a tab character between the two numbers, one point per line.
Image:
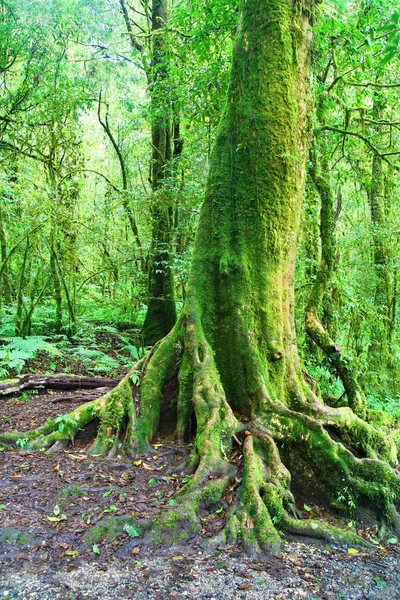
109	529
212	492
379	417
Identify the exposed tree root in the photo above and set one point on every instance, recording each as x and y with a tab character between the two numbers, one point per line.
353	462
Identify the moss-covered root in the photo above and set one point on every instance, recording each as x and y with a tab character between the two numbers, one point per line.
323	531
56	433
265	504
116	432
261	499
114	412
365	481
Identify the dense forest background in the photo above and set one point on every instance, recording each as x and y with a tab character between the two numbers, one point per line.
107	117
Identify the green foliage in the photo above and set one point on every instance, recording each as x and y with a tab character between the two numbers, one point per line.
17	351
344	496
22	443
66	424
330	384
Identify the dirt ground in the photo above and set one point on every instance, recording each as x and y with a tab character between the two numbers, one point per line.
72	525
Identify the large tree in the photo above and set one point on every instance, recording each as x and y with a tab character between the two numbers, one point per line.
254	414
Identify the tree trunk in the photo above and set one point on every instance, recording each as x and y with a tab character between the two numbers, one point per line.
56	285
3	250
380	334
315	329
233	350
161	311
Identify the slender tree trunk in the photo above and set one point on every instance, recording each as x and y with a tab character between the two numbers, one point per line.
161	311
3	250
380	333
314	327
57	288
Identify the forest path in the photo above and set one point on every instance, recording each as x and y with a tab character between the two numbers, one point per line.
71	524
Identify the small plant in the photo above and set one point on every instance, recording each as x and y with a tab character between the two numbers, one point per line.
344	497
22	443
73	491
66	424
135	378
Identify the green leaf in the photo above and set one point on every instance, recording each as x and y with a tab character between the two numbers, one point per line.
96	549
131	530
307	508
392	540
380	583
57	519
111	508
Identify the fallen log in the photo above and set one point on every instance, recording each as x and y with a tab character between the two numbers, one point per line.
54	382
95	393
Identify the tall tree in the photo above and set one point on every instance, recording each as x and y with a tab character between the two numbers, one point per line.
233	349
161	311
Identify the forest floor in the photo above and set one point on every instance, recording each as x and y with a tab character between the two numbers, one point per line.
71	525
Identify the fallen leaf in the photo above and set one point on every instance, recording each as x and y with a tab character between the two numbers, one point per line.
131	530
250	523
178	557
352	551
393	540
136	550
75	457
72	553
57	467
247	432
56	519
148	467
96	549
137	463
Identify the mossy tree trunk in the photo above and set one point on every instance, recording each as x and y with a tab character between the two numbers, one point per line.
161	311
380	345
315	328
6	292
233	349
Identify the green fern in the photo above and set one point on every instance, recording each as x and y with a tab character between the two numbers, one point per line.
17	350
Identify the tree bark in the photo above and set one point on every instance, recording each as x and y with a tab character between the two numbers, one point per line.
3	250
380	349
161	311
